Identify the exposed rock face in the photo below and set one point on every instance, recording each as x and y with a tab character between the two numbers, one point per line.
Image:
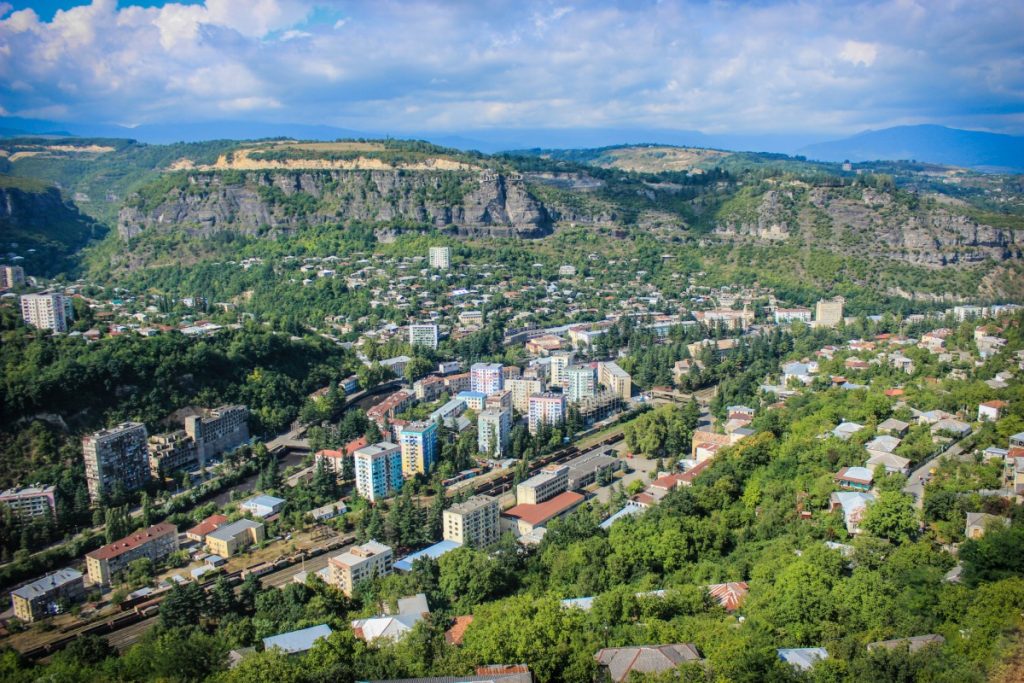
43	229
273	202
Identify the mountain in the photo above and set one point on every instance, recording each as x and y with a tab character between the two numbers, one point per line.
935	144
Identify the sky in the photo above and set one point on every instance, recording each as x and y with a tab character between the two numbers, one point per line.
779	67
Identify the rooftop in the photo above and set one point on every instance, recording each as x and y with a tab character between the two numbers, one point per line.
132	541
435	551
297	641
43	585
207	525
623	661
229	531
542	512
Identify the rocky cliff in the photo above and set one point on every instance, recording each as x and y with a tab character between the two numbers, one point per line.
275	202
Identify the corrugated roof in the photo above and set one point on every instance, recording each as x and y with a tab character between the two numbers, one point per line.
297	641
549	509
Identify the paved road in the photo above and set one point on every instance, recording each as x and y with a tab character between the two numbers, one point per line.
919	477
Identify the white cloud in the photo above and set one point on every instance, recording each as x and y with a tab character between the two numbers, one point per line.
856	52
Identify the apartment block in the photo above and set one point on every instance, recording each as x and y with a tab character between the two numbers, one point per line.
221	429
418	441
440	257
828	313
46	311
156	543
11	277
521	390
473	523
487	378
560	362
615	379
423	335
30	501
47	596
171	452
378	470
546	408
581	383
116	456
358	564
548	483
228	539
788	315
493	430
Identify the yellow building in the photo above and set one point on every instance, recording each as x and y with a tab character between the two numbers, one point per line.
232	538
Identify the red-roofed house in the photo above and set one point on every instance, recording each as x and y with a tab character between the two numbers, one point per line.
729	595
527	517
990	411
207	526
457	632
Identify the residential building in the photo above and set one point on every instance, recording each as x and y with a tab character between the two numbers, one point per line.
601	405
788	315
460	381
393	627
199	532
560	362
46	311
990	411
894	464
171	452
389	407
618	664
487	378
616	379
856	478
228	539
549	482
359	563
473	523
48	595
546	408
429	388
978	522
493	430
524	519
418	441
423	335
853	505
262	506
11	277
118	456
155	543
828	313
378	470
297	642
440	257
30	501
475	400
729	595
802	658
521	390
581	383
219	430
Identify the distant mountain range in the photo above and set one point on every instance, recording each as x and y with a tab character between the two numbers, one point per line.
935	144
927	143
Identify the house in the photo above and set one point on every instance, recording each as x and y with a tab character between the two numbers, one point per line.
455	634
729	595
884	443
978	522
619	663
802	658
894	426
894	464
199	532
950	426
913	643
856	478
297	642
411	611
853	504
797	371
262	506
1017	440
845	430
990	411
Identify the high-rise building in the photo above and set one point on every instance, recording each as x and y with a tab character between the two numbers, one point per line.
118	455
486	378
418	441
440	257
473	523
358	564
423	335
493	428
46	311
581	383
560	362
829	313
221	429
521	390
616	379
546	408
11	276
378	470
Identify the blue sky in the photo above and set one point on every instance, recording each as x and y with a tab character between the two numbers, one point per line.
459	66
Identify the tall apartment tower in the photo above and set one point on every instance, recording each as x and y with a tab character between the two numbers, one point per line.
546	408
493	428
118	455
560	362
423	335
46	311
220	430
829	313
487	378
581	383
418	441
440	257
11	276
378	470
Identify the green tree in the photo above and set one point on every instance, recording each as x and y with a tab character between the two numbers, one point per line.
892	517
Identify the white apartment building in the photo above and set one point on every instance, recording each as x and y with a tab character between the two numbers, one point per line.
358	564
560	362
546	484
440	257
493	427
473	523
486	378
546	408
378	470
46	311
581	383
423	335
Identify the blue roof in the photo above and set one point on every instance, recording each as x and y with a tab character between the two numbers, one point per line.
627	511
435	551
297	641
470	394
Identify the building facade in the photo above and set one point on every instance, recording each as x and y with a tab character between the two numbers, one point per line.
423	335
358	564
546	408
119	455
378	470
221	429
171	452
521	390
30	501
155	543
616	380
493	429
581	383
828	313
47	596
11	276
227	540
487	378
440	257
418	441
46	311
474	522
546	484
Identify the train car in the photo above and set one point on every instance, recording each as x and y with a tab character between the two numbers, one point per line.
257	570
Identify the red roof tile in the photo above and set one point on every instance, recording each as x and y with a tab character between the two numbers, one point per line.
729	595
120	547
454	635
549	509
207	526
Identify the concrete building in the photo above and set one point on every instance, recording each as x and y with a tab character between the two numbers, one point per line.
473	523
788	315
418	441
47	596
828	313
487	378
262	506
156	543
221	429
423	335
523	520
586	469
229	539
501	400
440	257
546	408
548	483
615	379
521	390
30	501
560	362
116	456
378	470
46	311
493	430
581	383
358	564
171	452
11	277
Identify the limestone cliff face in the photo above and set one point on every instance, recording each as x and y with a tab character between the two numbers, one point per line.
275	202
871	223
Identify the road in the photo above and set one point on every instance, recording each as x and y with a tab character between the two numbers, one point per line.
919	477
